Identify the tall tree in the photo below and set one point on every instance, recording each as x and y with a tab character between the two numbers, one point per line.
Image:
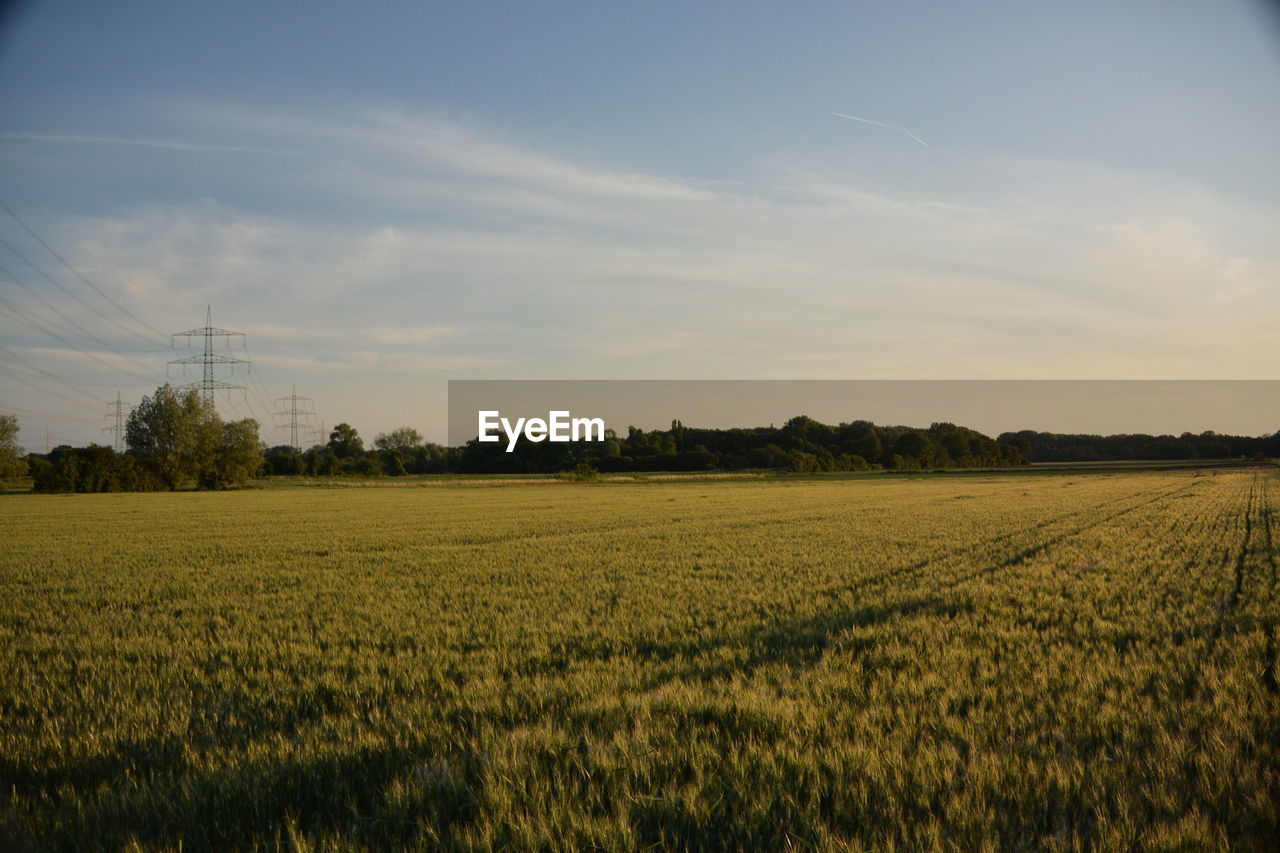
179	437
11	463
174	434
401	440
345	442
237	457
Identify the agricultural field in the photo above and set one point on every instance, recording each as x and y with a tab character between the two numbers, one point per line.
1052	662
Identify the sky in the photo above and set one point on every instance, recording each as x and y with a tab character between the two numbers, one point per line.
387	197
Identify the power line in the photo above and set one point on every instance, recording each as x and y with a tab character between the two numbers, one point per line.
81	329
74	386
235	410
39	327
252	410
67	290
48	415
31	314
78	329
77	274
31	384
259	390
255	389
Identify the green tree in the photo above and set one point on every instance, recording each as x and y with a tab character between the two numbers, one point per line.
868	446
805	463
393	463
89	469
236	458
368	464
12	464
174	434
402	440
345	442
320	460
178	437
285	459
917	449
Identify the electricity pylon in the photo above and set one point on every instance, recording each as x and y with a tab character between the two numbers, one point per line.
208	385
117	429
293	411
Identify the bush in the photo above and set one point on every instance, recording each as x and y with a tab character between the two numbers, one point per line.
583	472
90	469
805	463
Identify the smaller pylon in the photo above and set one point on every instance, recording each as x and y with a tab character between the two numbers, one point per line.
292	412
117	429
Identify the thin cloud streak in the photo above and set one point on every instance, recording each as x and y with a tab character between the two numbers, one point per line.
170	145
424	144
882	124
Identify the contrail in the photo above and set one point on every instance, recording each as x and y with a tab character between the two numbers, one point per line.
882	124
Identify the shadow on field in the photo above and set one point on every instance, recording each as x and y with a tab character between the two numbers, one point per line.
140	758
798	642
118	801
801	642
152	791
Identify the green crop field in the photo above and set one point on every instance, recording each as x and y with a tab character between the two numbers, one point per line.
1059	661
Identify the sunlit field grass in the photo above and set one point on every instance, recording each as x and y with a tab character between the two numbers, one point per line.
974	662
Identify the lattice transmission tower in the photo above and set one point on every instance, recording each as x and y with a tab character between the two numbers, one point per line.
292	413
209	358
118	409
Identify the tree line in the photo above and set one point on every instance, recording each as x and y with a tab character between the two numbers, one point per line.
802	444
1059	447
397	453
177	440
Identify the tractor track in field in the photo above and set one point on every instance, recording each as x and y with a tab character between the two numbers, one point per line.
802	641
805	641
1028	553
1269	680
808	637
1258	536
1242	555
1023	554
865	581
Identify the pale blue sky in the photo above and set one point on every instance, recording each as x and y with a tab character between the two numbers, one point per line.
387	197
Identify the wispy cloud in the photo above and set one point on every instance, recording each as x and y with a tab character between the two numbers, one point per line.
379	143
425	248
169	144
377	364
383	336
